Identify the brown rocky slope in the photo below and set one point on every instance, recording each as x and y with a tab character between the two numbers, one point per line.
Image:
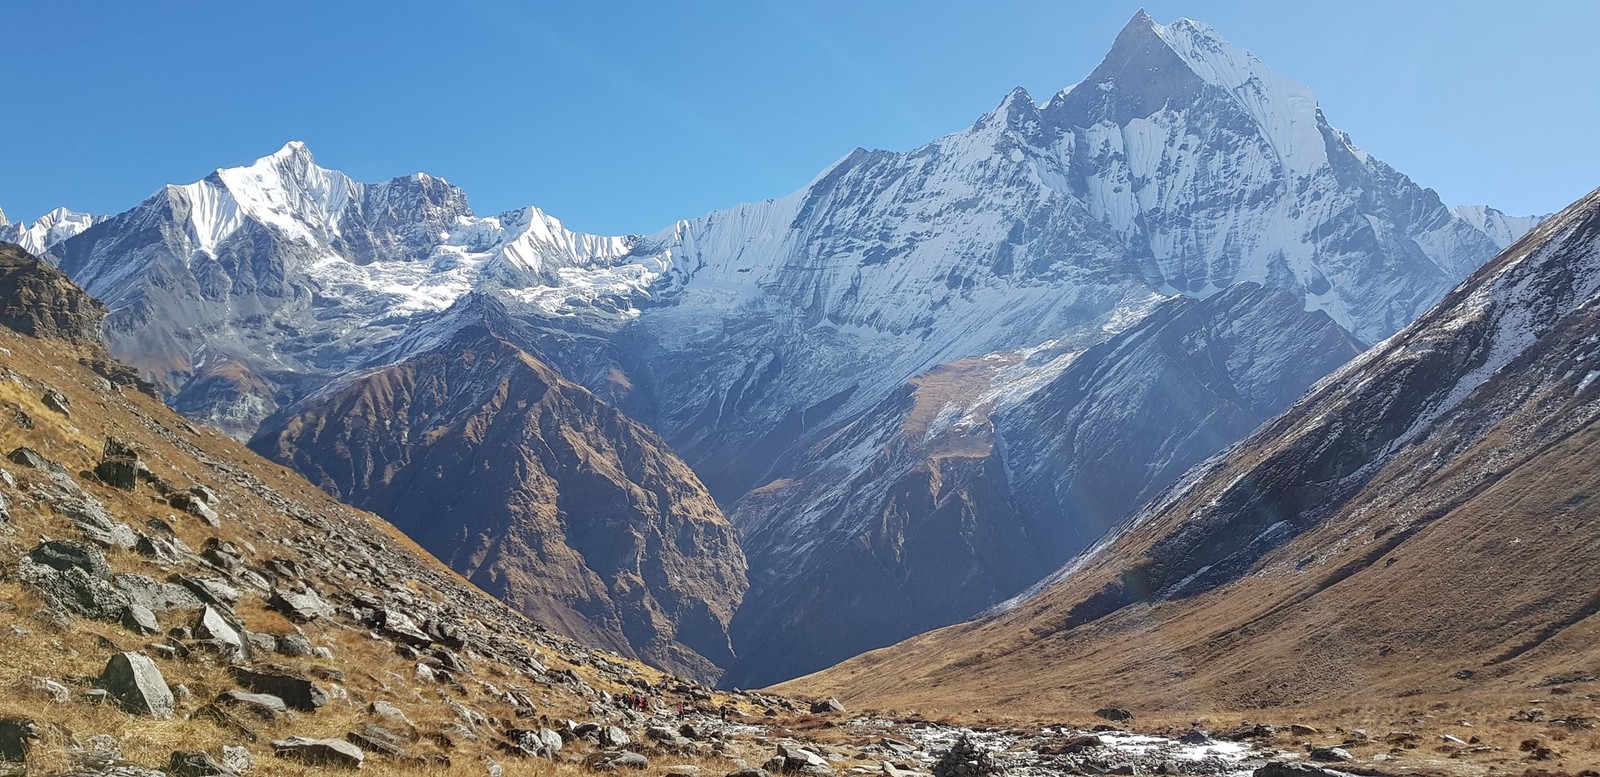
1424	522
531	487
172	603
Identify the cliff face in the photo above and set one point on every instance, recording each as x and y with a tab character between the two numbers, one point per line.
535	490
40	301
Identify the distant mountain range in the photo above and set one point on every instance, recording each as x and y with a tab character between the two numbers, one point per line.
915	387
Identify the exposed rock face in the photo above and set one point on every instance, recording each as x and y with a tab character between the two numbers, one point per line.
966	504
1426	508
39	300
534	489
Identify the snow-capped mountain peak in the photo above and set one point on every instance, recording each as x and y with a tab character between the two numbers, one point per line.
285	190
1503	229
1152	67
48	230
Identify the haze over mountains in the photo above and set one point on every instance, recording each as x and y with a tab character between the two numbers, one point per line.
914	388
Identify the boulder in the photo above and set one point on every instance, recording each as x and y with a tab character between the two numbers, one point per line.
196	507
138	619
1292	769
57	401
213	626
300	607
1330	754
135	682
751	772
237	759
614	760
196	764
28	457
371	737
1114	714
611	736
297	692
16	739
262	705
826	706
62	555
320	752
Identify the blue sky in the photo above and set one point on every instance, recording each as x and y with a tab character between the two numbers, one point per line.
620	117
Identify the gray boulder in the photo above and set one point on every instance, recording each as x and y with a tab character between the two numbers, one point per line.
135	682
321	752
138	619
297	692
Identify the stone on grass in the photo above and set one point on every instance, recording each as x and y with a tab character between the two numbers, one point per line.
135	682
297	692
321	752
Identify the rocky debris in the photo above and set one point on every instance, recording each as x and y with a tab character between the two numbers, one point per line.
321	752
295	691
966	759
749	772
17	736
135	682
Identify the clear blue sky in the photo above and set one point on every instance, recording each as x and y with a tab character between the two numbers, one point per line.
622	116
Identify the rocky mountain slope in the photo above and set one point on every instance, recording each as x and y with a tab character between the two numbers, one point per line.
174	602
792	350
1423	522
532	488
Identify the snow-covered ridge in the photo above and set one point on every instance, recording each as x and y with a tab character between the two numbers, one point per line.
48	230
1503	229
1284	108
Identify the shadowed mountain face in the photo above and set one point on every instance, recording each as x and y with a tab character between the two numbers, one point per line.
896	381
969	507
533	489
1424	521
